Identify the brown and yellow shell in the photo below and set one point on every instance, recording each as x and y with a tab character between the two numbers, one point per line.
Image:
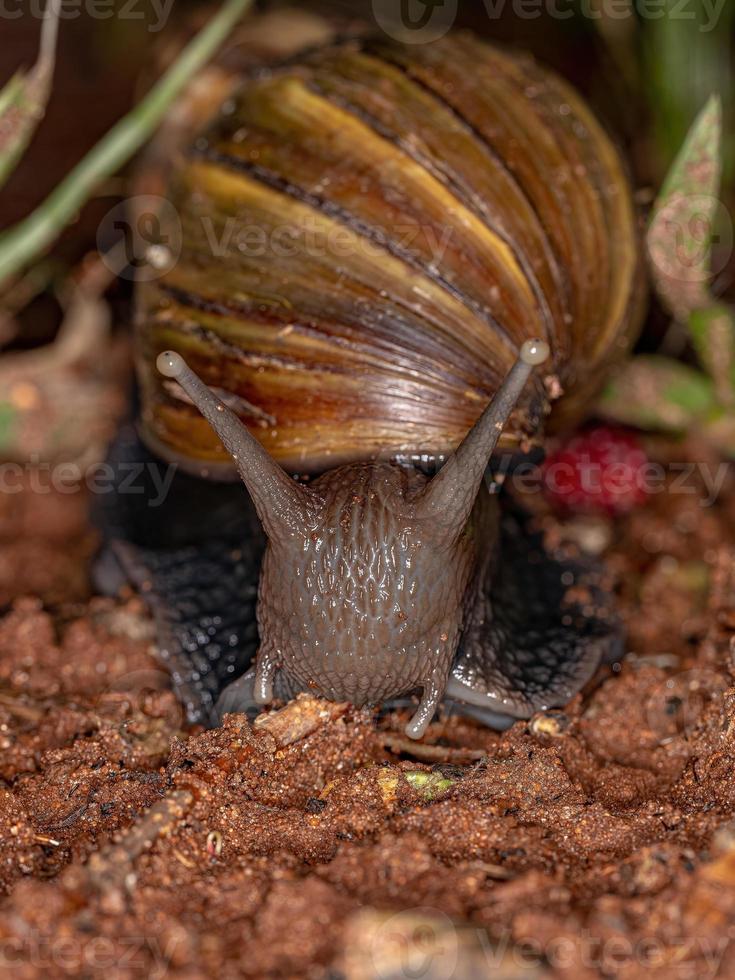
368	235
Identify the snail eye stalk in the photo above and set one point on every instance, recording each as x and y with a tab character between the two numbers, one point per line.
281	503
450	496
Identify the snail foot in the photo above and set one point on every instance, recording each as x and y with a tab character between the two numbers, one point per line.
538	633
194	554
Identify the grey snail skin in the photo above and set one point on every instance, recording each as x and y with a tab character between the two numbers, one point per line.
369	572
374	580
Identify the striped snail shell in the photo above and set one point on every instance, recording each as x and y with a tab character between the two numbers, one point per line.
370	233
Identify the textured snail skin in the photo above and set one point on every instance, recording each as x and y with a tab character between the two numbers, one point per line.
368	603
370	572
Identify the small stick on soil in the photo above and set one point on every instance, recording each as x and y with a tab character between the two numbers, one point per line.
109	870
430	753
71	818
495	871
301	717
22	710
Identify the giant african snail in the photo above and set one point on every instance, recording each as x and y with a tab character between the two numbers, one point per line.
377	581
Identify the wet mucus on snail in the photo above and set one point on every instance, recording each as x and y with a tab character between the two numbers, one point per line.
376	580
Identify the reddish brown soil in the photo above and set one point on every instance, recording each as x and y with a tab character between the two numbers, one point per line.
594	843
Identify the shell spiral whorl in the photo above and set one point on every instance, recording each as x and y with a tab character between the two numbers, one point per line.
369	237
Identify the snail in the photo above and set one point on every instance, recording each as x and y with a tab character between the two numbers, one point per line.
392	258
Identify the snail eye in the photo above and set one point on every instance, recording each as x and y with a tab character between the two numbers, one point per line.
535	352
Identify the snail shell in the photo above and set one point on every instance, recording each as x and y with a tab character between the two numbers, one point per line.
370	233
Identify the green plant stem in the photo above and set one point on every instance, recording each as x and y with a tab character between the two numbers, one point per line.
23	99
25	241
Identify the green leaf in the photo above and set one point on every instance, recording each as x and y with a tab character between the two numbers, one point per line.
428	784
23	99
713	334
7	423
680	232
9	95
720	433
654	392
25	241
685	57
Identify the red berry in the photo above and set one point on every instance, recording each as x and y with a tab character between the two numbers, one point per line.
599	469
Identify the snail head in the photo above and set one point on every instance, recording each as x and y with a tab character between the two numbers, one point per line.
367	571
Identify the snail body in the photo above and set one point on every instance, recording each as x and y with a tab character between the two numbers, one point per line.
367	574
349	361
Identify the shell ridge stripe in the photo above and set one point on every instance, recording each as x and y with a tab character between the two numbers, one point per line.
199	302
466	198
482	338
194	301
209	336
616	277
555	264
379	351
514	73
404	319
504	258
236	402
339	214
382	346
